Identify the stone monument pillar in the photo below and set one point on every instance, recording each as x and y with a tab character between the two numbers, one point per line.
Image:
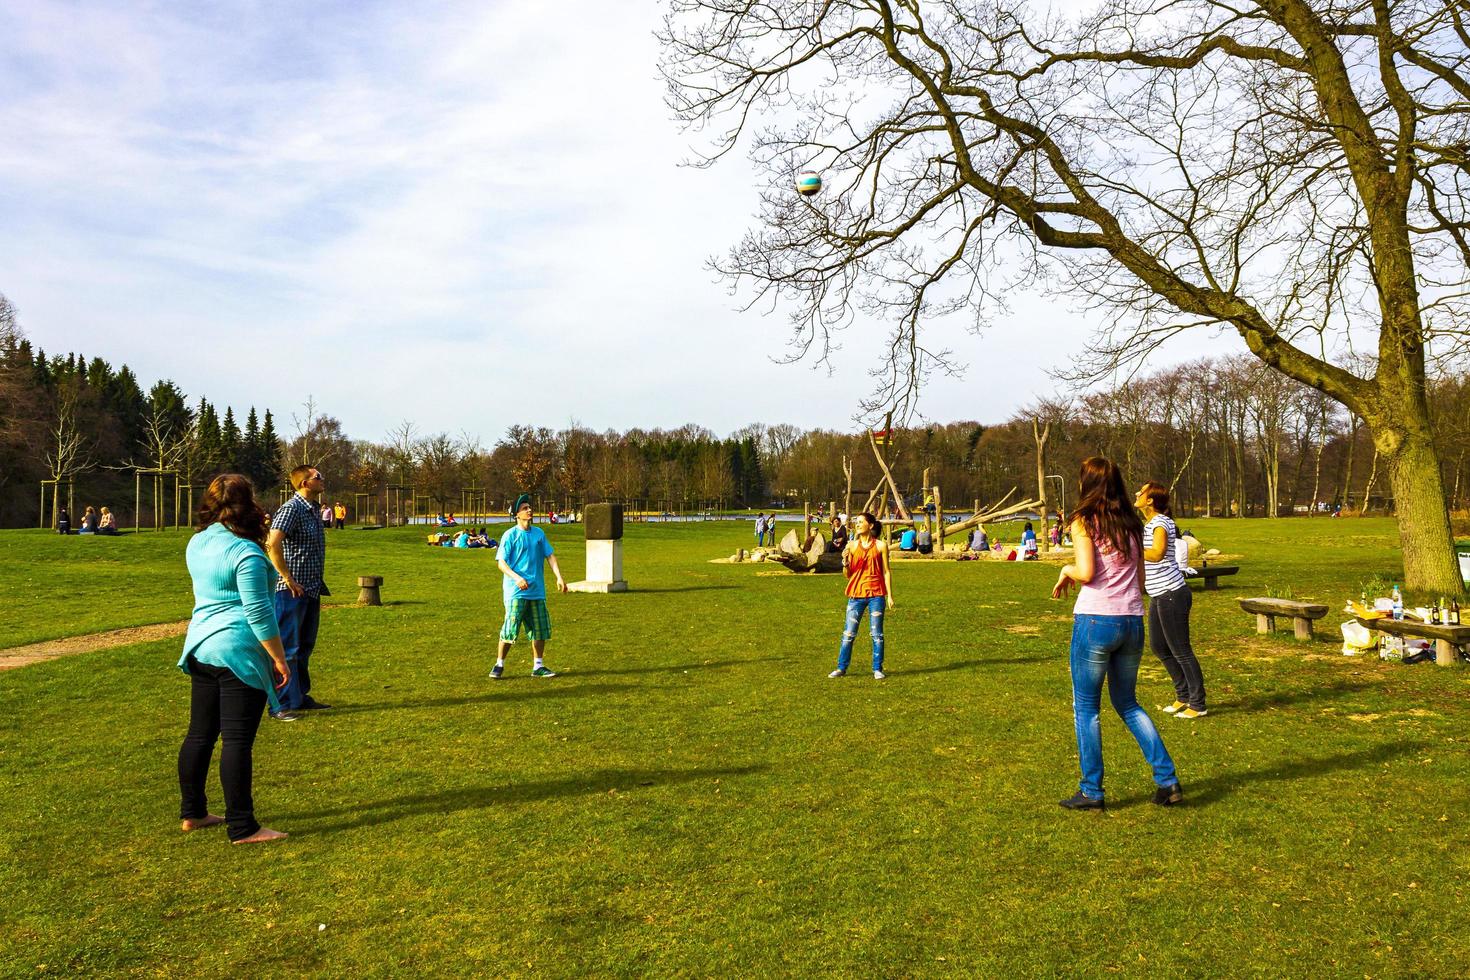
604	528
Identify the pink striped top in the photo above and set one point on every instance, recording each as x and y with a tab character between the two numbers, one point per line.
1114	589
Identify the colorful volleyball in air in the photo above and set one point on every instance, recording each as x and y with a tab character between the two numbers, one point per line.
808	183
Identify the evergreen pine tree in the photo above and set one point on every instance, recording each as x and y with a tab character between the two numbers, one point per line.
229	443
207	443
249	459
125	400
270	453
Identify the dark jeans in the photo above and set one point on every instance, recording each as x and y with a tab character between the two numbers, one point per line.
220	705
1168	636
299	617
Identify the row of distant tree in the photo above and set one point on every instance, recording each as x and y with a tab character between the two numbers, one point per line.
1230	436
88	429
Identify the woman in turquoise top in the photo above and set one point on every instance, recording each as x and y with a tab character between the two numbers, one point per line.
232	654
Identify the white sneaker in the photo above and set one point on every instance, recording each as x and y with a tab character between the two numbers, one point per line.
878	675
838	673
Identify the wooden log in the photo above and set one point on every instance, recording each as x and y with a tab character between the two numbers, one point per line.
989	516
939	517
1265	623
368	586
1445	653
888	476
1302	626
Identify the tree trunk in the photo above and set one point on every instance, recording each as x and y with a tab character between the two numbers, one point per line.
1368	487
1424	524
1041	433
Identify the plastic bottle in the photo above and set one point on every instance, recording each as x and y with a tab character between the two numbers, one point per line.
1398	603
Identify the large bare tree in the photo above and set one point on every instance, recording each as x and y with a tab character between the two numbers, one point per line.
1293	171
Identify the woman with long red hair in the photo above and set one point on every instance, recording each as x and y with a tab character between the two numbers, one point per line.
1107	630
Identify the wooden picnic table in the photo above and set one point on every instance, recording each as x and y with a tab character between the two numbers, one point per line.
1447	639
1210	574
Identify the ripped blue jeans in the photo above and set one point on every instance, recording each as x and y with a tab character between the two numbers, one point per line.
855	607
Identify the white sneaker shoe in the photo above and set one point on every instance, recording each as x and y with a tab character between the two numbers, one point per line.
838	673
878	675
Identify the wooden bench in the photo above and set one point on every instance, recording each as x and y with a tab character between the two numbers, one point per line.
368	586
1302	614
1210	574
1447	639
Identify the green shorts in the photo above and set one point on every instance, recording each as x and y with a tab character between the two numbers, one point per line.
530	613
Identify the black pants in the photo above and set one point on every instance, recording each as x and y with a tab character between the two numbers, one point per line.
1168	635
221	705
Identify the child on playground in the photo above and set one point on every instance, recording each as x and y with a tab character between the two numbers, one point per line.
522	551
869	589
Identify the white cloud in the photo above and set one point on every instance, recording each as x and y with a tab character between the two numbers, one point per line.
466	215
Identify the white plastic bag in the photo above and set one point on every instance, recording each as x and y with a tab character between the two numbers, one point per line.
1356	639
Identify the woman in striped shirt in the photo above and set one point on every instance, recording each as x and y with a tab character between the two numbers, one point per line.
1169	603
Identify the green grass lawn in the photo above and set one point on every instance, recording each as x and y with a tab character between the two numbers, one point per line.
694	796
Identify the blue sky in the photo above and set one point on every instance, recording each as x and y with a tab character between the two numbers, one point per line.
465	215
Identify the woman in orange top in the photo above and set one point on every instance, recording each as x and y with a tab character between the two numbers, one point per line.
869	588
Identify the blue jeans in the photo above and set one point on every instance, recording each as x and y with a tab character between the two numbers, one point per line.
855	609
298	617
1110	647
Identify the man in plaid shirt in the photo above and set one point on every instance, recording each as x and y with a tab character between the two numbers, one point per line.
297	546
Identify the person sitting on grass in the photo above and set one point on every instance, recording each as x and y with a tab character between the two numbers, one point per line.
839	535
1028	542
462	539
108	523
869	589
522	551
233	655
89	522
63	521
1107	630
979	540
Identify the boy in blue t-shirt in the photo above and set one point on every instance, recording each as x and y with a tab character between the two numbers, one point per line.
522	550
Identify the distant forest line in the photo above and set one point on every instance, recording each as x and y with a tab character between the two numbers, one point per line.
1229	435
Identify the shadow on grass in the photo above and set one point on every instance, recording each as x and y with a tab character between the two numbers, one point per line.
655	669
1222	786
377	812
498	691
984	662
1217	788
1279	699
683	588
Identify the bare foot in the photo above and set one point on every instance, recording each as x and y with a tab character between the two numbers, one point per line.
201	822
261	836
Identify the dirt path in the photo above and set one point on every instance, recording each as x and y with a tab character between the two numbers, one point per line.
34	653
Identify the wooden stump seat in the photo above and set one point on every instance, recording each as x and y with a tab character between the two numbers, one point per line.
368	586
1302	614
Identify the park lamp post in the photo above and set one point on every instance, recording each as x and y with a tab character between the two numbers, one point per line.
1061	489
